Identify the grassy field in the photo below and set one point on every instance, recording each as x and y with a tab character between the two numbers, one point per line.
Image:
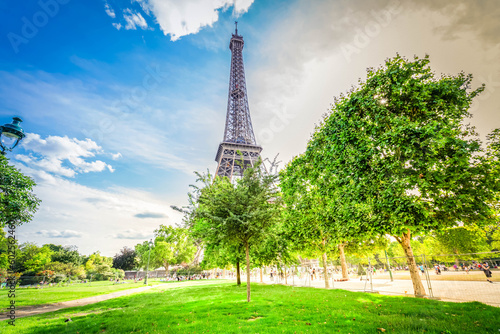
274	309
55	294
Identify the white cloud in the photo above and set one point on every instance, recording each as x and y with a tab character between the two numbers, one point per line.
133	234
118	26
109	10
134	20
62	155
181	18
59	234
116	156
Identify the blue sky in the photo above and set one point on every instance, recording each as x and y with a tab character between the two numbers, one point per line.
123	100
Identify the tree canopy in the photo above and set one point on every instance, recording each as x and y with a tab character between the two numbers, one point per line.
401	157
18	203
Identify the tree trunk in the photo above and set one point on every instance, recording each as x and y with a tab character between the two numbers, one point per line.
166	268
342	261
261	274
404	241
325	271
286	273
238	277
248	270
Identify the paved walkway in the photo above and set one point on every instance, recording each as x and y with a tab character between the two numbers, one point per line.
39	309
458	291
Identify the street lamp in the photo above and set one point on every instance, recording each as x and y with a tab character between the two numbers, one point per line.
147	267
11	135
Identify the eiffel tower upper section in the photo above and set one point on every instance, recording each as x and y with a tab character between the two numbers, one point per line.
239	149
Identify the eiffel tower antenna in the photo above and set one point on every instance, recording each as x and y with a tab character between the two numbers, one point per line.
238	149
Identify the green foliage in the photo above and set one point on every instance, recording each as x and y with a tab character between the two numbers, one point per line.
144	253
18	203
4	247
32	258
173	246
398	159
69	270
458	240
65	254
237	215
398	143
95	260
126	259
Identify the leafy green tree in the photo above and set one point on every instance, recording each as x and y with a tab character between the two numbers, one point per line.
460	240
402	157
173	246
4	249
65	254
33	258
240	213
126	259
144	253
308	220
96	259
67	269
18	203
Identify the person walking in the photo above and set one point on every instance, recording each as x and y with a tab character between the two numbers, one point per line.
486	269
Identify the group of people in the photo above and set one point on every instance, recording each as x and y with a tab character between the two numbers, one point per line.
484	267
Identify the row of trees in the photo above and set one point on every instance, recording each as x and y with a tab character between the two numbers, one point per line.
394	157
54	263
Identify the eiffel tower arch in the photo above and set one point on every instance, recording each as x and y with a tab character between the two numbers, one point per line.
238	150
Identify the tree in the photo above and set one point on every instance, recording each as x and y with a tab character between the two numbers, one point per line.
144	252
126	259
173	246
240	213
96	259
33	258
401	156
18	203
459	240
4	249
65	254
66	269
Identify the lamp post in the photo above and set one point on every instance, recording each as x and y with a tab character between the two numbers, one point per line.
147	267
10	135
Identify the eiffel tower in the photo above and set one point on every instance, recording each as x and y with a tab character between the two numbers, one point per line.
238	150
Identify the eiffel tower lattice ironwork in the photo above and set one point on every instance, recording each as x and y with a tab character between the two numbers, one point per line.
238	150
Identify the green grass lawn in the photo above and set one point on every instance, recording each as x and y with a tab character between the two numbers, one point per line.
32	296
274	309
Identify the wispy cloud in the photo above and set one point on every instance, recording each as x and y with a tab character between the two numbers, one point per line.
133	234
150	215
134	20
59	234
109	10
